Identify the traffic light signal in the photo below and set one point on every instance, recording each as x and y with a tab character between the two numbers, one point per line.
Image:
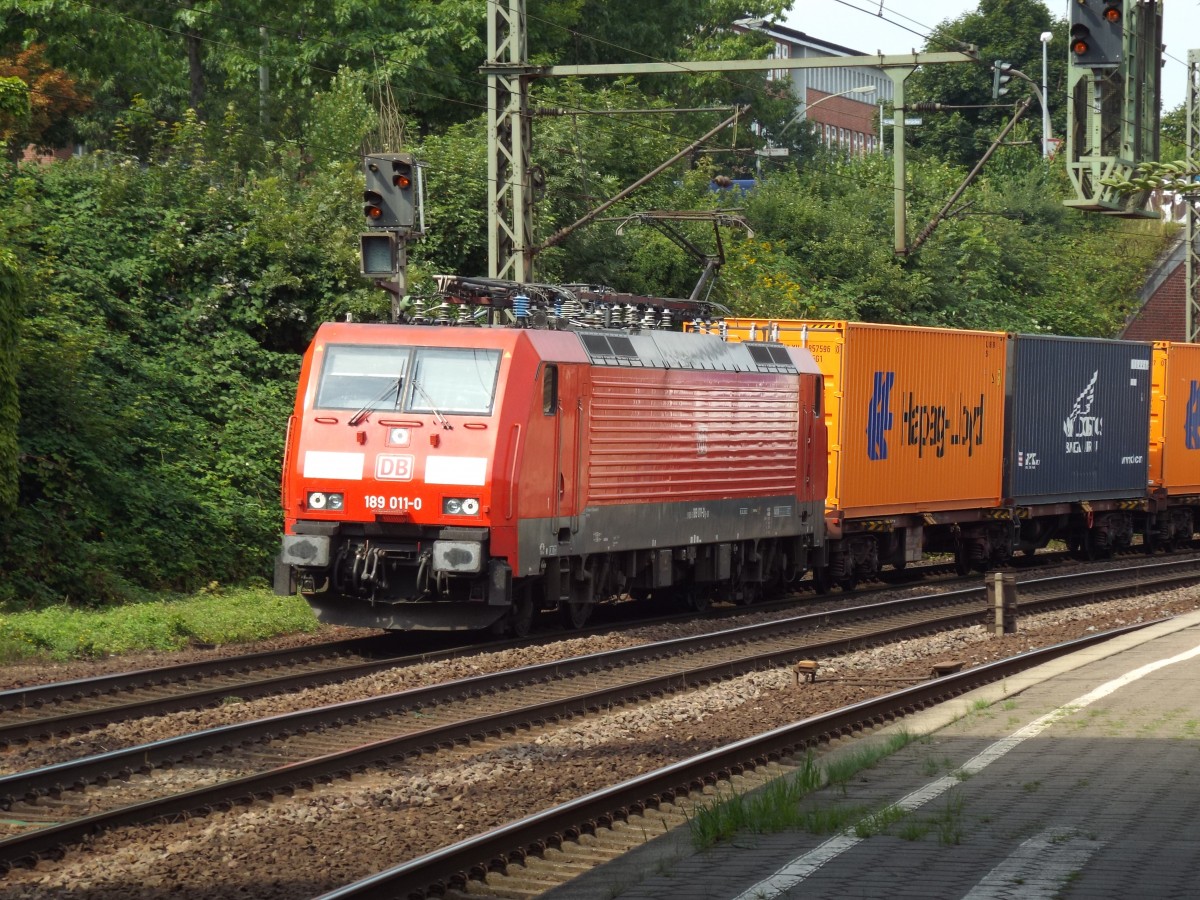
391	198
1001	76
1097	32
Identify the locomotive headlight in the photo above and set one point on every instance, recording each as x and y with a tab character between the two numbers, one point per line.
323	500
397	437
460	506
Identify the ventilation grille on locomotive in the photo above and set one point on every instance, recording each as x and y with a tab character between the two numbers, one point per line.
771	358
610	350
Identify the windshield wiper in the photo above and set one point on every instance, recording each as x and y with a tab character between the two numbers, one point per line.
362	413
441	420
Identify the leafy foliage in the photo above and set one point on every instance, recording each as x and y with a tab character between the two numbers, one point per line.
10	309
172	278
158	358
214	615
1006	30
51	96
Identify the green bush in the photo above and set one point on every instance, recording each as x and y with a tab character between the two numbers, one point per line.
167	306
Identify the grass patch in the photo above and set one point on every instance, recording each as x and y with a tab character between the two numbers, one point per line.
880	821
840	771
213	616
948	820
913	829
774	808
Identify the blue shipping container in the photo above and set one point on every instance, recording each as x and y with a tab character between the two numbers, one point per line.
1077	419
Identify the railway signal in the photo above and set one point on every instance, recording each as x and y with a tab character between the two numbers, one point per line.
1001	76
392	206
392	198
1097	32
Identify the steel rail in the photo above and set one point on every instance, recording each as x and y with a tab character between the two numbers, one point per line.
77	774
224	795
494	849
80	688
45	727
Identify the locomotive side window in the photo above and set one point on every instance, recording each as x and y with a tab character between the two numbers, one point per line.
453	380
550	390
356	376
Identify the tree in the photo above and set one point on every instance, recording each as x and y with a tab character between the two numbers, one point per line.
1006	30
51	96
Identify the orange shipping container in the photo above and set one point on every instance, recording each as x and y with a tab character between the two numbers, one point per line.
915	415
1175	419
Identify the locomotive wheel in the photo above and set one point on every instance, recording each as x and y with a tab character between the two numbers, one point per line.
575	613
822	580
849	583
521	617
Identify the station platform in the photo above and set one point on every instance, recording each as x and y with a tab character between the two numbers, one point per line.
1077	779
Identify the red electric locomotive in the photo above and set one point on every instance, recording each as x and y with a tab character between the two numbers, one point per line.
440	477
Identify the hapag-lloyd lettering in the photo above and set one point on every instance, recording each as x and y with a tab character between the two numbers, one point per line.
925	425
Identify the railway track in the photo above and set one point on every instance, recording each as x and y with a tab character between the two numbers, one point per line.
61	805
561	833
45	712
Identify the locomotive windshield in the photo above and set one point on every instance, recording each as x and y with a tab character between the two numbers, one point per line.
453	380
443	380
357	376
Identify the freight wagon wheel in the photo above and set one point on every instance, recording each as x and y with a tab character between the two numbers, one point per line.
962	565
849	583
695	598
748	593
1092	550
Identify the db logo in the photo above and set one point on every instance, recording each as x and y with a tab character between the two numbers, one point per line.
393	467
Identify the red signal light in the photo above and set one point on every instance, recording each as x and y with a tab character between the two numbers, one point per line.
1112	14
1079	47
401	180
372	204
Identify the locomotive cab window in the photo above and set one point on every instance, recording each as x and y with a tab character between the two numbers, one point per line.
453	380
356	376
550	390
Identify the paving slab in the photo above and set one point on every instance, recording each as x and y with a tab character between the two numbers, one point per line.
1078	779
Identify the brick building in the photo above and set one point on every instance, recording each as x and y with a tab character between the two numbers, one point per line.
1162	311
841	119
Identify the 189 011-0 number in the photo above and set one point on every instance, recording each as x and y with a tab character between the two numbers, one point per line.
400	504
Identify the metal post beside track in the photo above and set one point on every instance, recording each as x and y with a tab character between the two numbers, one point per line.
1002	598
